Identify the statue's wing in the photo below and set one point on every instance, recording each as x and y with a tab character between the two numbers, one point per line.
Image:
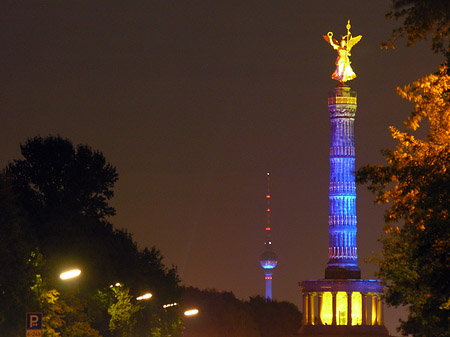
353	41
326	38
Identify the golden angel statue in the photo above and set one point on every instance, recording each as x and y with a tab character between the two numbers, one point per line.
344	71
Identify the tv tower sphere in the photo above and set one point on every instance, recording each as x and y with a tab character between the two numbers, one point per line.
268	259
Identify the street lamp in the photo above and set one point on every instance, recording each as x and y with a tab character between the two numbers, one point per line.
165	306
70	274
144	297
187	313
191	312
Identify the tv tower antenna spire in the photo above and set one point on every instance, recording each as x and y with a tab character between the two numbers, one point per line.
268	259
268	241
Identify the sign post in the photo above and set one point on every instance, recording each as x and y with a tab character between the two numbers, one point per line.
34	324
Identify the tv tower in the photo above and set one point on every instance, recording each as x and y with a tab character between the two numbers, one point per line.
268	259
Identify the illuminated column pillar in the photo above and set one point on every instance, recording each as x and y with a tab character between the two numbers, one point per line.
311	308
380	311
374	309
305	308
349	308
319	304
334	308
364	309
342	252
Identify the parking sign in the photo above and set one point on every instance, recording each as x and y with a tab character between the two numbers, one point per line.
34	324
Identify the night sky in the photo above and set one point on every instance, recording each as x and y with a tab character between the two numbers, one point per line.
193	102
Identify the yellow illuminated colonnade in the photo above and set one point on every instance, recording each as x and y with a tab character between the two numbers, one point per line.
326	310
360	306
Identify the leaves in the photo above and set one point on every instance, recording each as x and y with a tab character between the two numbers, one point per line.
415	181
422	19
18	264
123	311
56	177
61	316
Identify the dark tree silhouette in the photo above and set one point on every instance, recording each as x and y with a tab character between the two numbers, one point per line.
17	274
273	318
222	314
422	19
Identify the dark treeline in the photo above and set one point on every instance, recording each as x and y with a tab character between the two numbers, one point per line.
221	314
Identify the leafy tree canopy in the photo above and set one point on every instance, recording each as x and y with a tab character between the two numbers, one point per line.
415	181
56	177
422	19
62	317
18	270
273	318
221	314
65	191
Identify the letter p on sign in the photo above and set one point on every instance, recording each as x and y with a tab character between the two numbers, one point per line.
34	321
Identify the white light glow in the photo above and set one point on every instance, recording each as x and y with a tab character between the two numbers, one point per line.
170	305
144	297
191	312
70	274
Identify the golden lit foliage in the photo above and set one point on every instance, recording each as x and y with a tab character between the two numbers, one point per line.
415	181
62	317
431	95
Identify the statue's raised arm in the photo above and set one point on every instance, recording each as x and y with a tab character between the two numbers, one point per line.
333	42
344	71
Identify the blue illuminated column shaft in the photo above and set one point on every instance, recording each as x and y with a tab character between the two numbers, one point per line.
342	251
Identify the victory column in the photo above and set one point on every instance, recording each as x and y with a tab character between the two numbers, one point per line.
342	304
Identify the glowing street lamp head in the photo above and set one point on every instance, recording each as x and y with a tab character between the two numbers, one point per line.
144	297
70	274
191	312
